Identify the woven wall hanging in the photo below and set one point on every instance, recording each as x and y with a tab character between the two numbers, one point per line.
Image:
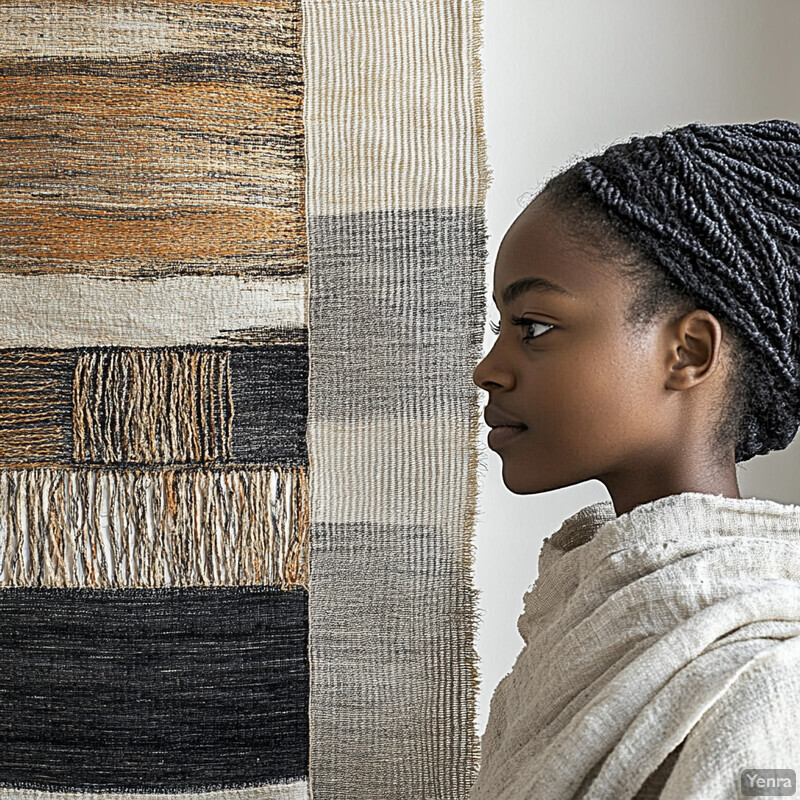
242	252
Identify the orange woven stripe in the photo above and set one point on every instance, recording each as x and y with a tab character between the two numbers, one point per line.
95	238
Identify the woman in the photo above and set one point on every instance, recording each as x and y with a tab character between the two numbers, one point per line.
649	339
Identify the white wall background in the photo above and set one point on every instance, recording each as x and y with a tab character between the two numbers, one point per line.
564	79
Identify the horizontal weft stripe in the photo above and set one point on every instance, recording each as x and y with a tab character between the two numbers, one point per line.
85	30
179	174
136	528
392	112
153	690
293	790
36	406
140	407
64	311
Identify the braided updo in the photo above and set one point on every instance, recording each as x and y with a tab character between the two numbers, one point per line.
708	216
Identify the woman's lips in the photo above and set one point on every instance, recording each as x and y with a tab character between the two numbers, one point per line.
502	434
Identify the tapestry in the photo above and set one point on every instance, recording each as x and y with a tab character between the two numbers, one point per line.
242	250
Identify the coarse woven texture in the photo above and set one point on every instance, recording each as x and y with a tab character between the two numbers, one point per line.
150	406
674	627
396	184
145	528
242	257
154	495
186	679
183	123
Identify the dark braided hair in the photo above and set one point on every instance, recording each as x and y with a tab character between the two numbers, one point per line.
707	216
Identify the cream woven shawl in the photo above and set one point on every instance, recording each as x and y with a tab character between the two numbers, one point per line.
679	620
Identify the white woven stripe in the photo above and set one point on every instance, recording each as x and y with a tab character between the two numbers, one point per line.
388	471
296	790
391	108
82	310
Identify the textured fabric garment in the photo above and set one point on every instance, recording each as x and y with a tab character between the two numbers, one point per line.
396	238
676	625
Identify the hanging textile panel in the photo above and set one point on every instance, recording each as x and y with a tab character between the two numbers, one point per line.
154	522
188	609
396	188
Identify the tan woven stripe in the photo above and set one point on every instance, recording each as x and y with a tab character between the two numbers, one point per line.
147	248
35	406
136	528
74	310
297	790
43	439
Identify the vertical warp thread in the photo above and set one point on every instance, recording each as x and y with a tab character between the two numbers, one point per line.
154	406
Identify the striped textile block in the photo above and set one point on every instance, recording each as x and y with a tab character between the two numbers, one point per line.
396	187
242	251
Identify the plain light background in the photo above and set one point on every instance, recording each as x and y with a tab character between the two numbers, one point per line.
564	79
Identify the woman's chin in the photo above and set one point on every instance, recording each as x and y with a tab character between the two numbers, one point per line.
519	482
516	482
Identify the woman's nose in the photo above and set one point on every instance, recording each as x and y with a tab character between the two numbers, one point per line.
491	372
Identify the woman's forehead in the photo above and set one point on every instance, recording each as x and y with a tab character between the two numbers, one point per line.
537	255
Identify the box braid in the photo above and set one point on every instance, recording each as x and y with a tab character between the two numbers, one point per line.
708	216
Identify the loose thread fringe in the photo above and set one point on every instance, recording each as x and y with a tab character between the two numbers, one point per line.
139	528
152	406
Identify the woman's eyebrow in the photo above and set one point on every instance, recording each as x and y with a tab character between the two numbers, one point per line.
532	283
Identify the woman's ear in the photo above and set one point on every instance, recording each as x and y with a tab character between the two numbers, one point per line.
694	346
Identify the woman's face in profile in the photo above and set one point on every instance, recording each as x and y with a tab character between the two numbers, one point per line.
572	394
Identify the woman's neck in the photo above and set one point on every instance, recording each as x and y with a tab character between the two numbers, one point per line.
644	483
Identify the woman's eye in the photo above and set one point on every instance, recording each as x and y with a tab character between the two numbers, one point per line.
528	326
